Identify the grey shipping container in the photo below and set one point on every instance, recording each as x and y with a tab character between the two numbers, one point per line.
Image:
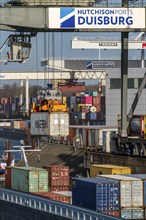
132	213
143	178
53	124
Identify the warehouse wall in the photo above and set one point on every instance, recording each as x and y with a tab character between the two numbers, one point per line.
113	96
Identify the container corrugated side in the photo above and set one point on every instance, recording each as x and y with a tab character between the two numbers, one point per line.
25	179
59	124
43	180
113	213
39	123
131	190
143	178
55	196
132	213
58	176
95	194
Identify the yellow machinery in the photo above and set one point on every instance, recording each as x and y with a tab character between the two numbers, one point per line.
49	101
49	106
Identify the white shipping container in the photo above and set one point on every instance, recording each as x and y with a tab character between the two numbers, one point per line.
50	124
16	124
131	190
59	124
5	124
132	213
83	115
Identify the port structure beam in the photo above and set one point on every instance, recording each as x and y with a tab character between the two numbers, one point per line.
36	19
105	44
53	75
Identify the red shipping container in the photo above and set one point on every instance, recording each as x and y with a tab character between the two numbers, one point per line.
88	100
59	188
55	196
22	124
55	188
64	188
58	175
114	213
8	176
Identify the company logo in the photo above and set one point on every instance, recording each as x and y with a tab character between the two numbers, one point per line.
99	65
67	18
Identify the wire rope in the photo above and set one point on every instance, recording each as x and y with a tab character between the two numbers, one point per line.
37	60
45	56
61	54
53	54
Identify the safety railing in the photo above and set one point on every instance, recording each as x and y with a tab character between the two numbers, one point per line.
52	207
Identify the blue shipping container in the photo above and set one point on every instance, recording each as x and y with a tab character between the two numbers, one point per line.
96	194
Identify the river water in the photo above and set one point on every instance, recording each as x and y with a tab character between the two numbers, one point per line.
17	155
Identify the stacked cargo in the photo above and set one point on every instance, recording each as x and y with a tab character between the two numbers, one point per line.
58	177
29	179
131	196
86	108
116	195
10	107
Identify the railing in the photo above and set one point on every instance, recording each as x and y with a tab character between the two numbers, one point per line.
52	207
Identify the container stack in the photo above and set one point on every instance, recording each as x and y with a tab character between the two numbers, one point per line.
116	195
85	107
10	107
58	177
51	181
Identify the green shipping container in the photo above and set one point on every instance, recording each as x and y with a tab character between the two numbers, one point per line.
25	179
43	180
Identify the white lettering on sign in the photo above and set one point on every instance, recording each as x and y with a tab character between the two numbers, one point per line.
99	18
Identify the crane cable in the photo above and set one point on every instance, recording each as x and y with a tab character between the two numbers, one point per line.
53	55
37	60
61	53
45	56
